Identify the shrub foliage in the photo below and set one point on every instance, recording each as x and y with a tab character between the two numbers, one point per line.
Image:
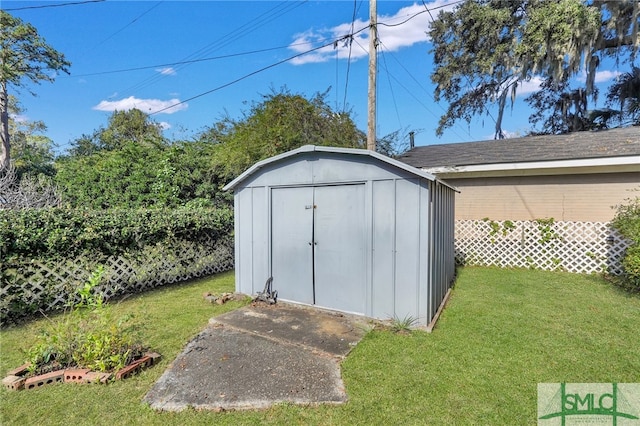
627	222
72	241
56	232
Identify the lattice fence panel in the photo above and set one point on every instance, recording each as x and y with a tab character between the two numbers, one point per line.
580	247
36	284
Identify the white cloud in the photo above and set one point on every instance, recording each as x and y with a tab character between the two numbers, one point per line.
606	75
510	135
145	105
164	125
507	135
167	71
526	87
601	76
533	85
405	28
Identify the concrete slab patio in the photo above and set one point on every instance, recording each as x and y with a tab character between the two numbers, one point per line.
261	355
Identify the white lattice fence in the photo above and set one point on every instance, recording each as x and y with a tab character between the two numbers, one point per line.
33	284
581	247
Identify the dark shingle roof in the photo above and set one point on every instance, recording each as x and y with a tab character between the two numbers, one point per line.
580	145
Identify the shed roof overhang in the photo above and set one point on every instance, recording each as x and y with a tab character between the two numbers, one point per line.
539	168
349	151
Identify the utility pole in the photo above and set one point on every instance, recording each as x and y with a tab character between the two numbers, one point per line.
373	64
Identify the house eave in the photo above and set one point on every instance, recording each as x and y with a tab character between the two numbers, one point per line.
539	168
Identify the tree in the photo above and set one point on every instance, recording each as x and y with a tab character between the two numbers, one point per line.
129	164
123	128
32	150
281	122
394	144
626	92
560	109
485	49
23	54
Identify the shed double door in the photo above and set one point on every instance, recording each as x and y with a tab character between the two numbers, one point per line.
318	245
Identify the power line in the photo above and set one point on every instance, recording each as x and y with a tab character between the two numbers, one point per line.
129	24
54	5
213	58
467	77
350	41
412	94
247	28
393	95
249	75
421	12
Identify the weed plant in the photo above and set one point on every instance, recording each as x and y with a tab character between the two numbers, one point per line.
86	335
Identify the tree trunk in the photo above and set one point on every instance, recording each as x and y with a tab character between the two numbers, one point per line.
5	147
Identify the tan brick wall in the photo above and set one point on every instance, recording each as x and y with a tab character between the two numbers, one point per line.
588	197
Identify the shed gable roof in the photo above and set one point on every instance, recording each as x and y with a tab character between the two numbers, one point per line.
620	142
346	151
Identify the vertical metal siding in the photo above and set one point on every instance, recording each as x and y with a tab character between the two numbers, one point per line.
423	255
243	242
407	248
238	245
259	238
433	259
442	258
383	248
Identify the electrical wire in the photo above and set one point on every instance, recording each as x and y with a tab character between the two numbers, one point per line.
420	13
467	77
129	24
393	95
245	29
248	75
412	93
76	3
170	64
346	81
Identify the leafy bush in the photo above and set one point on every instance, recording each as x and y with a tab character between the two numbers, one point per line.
141	176
627	222
57	232
65	243
86	336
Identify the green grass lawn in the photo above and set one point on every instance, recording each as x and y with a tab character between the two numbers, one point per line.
503	332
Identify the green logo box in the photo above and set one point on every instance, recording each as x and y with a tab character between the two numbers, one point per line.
616	404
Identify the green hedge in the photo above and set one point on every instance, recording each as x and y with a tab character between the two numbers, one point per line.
46	254
59	232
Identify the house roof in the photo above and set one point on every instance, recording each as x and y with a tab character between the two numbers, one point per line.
348	151
621	142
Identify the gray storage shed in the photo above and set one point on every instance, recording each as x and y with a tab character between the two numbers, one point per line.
345	229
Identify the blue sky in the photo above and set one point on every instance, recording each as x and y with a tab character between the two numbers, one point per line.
188	63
